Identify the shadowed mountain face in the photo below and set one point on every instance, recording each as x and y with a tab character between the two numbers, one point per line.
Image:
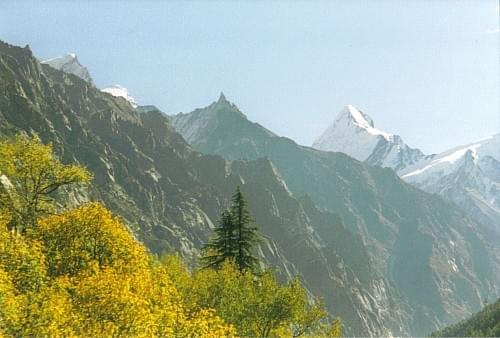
171	195
442	262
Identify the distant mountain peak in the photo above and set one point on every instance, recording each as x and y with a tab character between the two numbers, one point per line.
222	98
354	133
360	120
69	63
120	91
223	102
468	175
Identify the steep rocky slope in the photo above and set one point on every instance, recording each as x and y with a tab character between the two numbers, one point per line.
171	196
441	261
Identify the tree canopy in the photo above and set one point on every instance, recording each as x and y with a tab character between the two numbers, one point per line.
81	272
30	174
234	239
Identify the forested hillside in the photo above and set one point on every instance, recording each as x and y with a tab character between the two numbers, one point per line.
485	323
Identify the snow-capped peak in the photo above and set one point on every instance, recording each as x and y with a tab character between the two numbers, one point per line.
468	175
120	91
447	161
69	64
354	133
360	118
363	121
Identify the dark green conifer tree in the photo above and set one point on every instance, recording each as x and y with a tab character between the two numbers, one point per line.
235	238
223	245
246	234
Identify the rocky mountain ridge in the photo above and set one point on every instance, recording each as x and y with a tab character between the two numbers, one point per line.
468	175
442	262
171	195
69	63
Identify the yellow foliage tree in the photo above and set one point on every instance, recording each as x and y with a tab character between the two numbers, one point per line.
30	174
87	237
22	259
121	291
143	303
82	273
11	305
30	303
49	313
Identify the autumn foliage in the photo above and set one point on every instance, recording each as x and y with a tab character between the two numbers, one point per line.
80	272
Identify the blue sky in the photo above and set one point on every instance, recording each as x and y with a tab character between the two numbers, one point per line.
425	69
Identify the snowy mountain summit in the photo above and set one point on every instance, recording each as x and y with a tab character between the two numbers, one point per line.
69	64
120	91
354	133
468	175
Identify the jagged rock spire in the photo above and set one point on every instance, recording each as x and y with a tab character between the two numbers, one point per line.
222	98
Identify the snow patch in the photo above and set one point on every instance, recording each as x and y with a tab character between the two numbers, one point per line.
447	162
453	265
365	122
120	91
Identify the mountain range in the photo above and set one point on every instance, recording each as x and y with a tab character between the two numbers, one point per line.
69	64
468	175
421	244
170	195
388	258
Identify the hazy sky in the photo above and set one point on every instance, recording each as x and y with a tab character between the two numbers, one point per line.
427	70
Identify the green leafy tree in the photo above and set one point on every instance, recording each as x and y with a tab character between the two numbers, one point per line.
257	306
30	174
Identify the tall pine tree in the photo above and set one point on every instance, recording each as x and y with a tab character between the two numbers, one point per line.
235	238
223	245
246	234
